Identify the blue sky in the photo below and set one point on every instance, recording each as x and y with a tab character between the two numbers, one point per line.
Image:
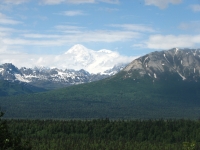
130	27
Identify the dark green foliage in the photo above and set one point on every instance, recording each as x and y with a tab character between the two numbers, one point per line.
8	88
115	98
8	141
109	134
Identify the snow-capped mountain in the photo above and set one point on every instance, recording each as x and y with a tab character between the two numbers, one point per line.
80	57
77	57
184	64
51	78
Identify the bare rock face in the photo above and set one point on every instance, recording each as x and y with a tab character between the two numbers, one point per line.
185	63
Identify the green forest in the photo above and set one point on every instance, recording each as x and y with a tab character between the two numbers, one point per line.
114	98
100	134
114	114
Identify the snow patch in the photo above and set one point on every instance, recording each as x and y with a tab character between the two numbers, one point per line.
20	78
155	75
195	52
181	75
176	51
145	59
1	69
166	58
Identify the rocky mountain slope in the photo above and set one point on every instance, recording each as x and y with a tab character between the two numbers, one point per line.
184	63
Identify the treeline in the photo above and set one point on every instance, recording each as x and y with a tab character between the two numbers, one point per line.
108	134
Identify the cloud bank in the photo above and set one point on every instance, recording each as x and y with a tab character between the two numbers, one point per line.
90	60
171	41
162	4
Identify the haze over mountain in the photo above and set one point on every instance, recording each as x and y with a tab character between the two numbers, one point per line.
78	57
161	84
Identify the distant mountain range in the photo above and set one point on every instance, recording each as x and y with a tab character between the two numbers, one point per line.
81	64
52	78
163	84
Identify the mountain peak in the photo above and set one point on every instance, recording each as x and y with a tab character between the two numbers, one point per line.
184	63
78	48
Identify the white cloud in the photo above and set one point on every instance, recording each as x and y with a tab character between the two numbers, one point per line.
194	26
38	36
65	60
162	4
15	2
72	13
5	29
110	1
81	36
68	27
171	41
53	2
195	8
68	34
109	9
6	20
134	27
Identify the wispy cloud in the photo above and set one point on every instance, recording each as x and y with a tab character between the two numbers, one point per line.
110	1
38	36
15	2
63	35
53	2
134	27
192	26
162	4
6	20
171	41
73	13
69	29
109	9
81	37
195	8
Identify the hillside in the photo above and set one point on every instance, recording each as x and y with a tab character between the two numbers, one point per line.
140	91
8	88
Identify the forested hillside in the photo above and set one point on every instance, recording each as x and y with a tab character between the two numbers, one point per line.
8	88
115	98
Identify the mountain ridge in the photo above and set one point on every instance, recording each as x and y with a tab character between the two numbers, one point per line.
183	62
51	78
